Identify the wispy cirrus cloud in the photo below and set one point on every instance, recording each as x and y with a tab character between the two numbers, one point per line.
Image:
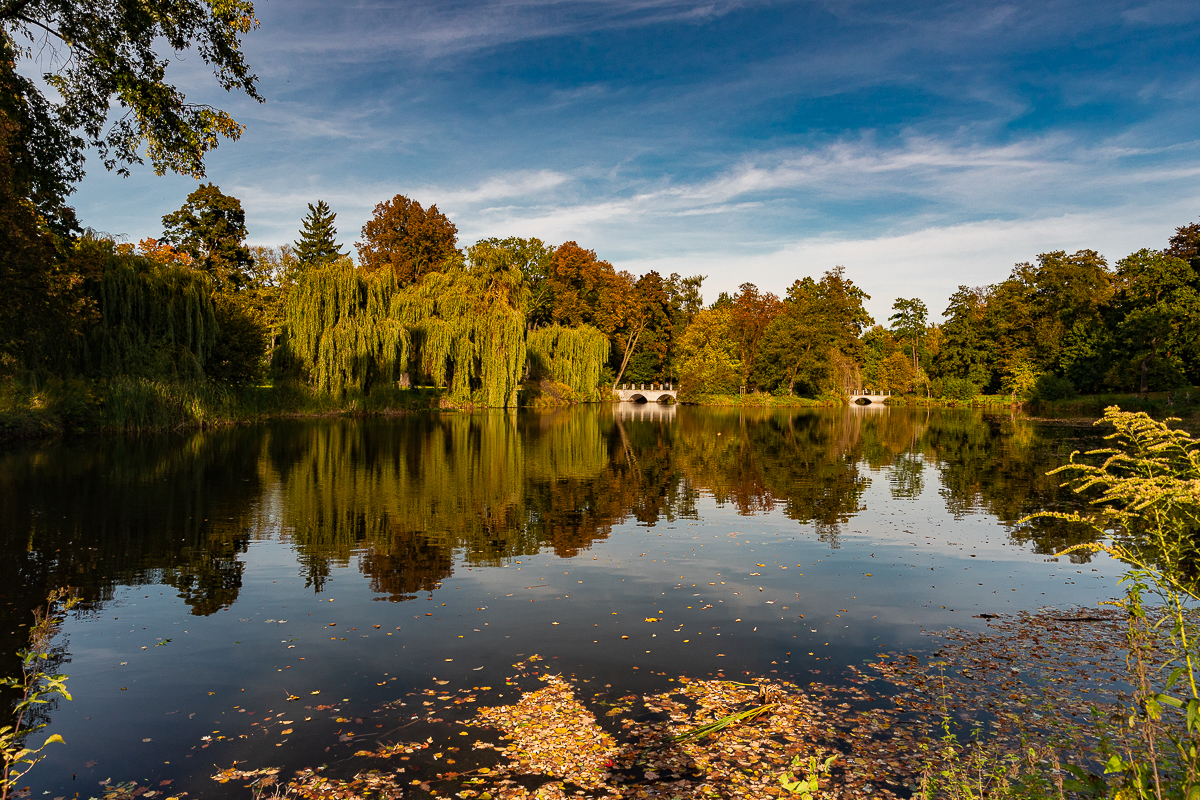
427	29
756	139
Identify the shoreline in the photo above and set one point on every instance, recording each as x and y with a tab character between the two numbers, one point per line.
71	408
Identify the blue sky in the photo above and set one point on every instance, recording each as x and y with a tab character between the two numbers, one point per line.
922	145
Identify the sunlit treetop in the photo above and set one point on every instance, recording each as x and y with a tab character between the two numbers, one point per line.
107	61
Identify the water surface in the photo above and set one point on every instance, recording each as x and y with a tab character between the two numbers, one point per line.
351	563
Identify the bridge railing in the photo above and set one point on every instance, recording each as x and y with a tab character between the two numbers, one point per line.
653	387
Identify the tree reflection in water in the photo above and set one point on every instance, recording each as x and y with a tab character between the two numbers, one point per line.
411	498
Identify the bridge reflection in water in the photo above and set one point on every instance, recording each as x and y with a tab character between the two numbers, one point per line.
645	412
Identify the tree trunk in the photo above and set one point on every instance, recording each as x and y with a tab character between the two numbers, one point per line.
628	353
1145	376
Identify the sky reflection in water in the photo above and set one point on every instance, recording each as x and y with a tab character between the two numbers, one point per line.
362	559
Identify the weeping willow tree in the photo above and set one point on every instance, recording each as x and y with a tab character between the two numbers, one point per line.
574	356
341	327
156	320
470	330
463	328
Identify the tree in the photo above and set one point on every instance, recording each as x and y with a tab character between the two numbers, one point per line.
910	321
531	257
752	313
1157	309
407	240
43	309
106	55
318	242
1185	244
211	228
627	310
578	280
647	333
157	316
967	352
708	362
816	334
571	356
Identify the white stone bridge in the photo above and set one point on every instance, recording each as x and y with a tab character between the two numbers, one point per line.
864	396
646	393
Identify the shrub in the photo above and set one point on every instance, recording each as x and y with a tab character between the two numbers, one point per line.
1053	387
959	389
237	355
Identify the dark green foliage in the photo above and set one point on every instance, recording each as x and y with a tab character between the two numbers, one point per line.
1087	354
959	389
237	357
813	344
967	352
318	237
211	228
34	292
1155	315
156	321
1069	315
909	323
1053	387
45	158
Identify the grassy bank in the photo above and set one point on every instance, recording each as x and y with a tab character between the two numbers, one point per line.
978	401
30	411
761	400
1176	403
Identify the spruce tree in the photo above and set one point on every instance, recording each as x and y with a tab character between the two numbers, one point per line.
317	245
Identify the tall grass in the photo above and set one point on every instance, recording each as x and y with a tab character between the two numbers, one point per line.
140	404
1144	496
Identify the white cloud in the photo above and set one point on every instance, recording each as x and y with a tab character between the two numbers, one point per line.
932	262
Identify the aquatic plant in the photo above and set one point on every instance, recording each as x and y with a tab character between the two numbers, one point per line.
36	688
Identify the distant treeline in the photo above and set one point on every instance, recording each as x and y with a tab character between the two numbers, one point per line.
505	321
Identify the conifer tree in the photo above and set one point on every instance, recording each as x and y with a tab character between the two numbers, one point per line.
317	243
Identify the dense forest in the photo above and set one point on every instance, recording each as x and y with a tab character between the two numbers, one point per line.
503	322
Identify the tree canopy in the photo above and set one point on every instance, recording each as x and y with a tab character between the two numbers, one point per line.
814	344
407	240
211	228
318	236
101	56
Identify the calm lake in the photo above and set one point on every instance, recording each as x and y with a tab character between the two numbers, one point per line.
354	564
